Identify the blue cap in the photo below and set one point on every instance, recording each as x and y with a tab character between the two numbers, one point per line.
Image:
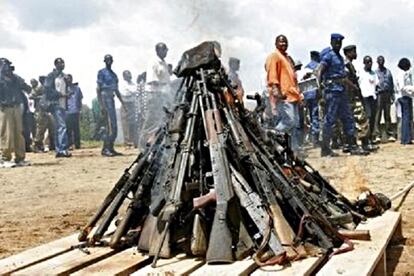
336	36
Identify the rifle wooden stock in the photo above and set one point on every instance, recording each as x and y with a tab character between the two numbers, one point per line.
198	237
204	200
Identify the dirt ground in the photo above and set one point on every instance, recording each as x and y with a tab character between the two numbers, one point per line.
55	197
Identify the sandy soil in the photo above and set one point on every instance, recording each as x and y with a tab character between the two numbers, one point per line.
55	197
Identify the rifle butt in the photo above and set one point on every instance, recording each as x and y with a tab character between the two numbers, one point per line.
160	242
221	241
121	229
150	226
199	237
285	232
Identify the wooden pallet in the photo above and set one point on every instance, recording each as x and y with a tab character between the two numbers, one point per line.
60	258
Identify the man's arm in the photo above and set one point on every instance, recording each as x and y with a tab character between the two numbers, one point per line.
273	77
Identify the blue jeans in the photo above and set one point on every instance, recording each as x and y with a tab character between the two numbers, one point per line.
61	134
288	121
337	106
313	108
406	119
111	125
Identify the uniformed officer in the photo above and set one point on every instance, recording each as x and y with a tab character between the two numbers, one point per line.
107	88
331	73
355	97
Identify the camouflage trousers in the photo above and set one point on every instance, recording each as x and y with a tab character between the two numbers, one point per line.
360	117
44	121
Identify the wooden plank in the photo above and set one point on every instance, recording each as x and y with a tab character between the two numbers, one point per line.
68	262
302	267
122	263
179	265
37	254
244	267
366	255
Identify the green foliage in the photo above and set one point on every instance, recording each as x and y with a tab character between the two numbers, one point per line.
87	123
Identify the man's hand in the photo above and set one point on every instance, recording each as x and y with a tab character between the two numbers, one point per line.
392	99
277	93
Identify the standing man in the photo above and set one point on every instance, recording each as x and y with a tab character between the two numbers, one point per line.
386	97
311	100
44	120
282	84
73	111
369	87
354	93
11	121
404	95
107	88
56	94
331	73
158	92
128	90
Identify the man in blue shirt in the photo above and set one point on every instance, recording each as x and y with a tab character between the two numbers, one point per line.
73	110
385	97
331	73
107	88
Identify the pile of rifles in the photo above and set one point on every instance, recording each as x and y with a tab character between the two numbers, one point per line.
213	183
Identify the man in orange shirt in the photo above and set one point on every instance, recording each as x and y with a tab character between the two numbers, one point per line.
284	92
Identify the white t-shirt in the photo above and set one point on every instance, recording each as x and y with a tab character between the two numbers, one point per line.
368	81
157	74
60	86
128	90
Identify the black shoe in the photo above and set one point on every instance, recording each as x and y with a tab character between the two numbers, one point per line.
347	148
328	153
107	153
358	151
115	153
63	154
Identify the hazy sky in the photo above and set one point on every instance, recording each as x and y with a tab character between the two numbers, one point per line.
34	32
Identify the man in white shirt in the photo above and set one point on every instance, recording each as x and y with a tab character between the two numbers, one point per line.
369	85
404	94
128	90
159	94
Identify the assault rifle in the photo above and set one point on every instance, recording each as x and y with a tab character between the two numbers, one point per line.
160	240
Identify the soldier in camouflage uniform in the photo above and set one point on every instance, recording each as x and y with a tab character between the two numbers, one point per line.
354	92
44	120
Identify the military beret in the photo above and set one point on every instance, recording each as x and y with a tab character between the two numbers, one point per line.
314	53
349	48
336	36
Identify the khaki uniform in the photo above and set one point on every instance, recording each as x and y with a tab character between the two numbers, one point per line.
11	133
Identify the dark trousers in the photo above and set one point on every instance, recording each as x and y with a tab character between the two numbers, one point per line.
337	106
406	119
370	106
313	109
383	107
29	129
111	130
72	124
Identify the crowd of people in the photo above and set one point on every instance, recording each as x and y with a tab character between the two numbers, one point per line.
339	104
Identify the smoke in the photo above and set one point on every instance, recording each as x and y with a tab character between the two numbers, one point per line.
82	32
